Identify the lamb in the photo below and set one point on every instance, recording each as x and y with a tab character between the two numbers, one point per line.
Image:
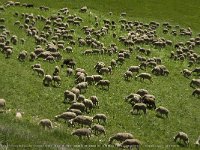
56	79
79	106
46	123
195	82
120	137
103	83
82	86
39	71
162	111
82	132
88	104
47	80
196	92
182	136
130	143
143	76
68	95
94	100
81	120
128	74
99	117
66	116
2	103
98	129
138	107
69	49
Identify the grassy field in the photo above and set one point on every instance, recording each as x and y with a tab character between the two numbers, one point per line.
25	91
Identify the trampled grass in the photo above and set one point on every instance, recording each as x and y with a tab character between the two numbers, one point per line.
24	90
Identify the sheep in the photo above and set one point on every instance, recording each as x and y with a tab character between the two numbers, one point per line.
39	71
56	71
128	74
46	123
113	63
47	80
186	73
103	83
120	137
134	69
76	111
133	98
33	56
81	120
79	106
69	71
195	82
50	58
89	80
197	143
162	111
2	103
56	79
142	92
196	70
18	115
149	100
105	70
80	78
182	136
69	49
66	116
80	98
138	107
88	104
143	76
22	56
130	143
69	96
98	129
82	132
196	92
8	53
94	100
82	86
97	78
83	9
99	117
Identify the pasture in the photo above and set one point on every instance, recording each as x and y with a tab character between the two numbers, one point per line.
139	30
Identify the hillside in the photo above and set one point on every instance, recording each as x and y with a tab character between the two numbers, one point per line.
24	91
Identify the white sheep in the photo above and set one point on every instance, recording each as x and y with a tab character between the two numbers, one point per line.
120	137
182	136
162	111
81	120
39	71
46	123
143	76
47	80
2	103
82	132
76	111
98	129
195	82
69	71
82	86
99	117
196	92
77	105
56	79
66	116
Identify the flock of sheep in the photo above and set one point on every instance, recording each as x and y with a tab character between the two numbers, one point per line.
51	40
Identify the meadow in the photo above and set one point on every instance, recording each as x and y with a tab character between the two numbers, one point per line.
24	90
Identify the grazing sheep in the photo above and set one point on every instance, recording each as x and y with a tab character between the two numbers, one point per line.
162	111
182	136
8	53
138	107
88	105
56	71
197	143
79	106
81	120
82	86
89	80
103	83
98	129
80	78
66	116
47	80
195	82
196	70
46	123
80	98
142	92
120	137
113	63
69	71
134	69
149	100
39	71
22	56
186	73
18	115
82	132
94	100
75	91
128	74
69	96
83	9
196	92
2	103
99	117
143	76
50	58
97	78
76	111
56	79
33	56
105	70
130	143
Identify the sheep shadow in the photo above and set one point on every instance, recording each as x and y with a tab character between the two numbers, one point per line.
160	117
182	145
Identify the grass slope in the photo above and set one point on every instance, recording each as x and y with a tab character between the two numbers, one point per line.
25	91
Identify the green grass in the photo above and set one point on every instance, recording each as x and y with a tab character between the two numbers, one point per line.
23	90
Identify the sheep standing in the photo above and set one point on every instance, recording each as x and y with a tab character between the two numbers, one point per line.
88	104
94	100
46	123
39	71
162	111
56	79
79	106
99	117
47	80
128	74
69	96
82	86
143	76
66	116
196	92
81	120
98	129
182	136
120	137
2	103
130	143
140	106
195	82
197	143
104	83
69	71
82	132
